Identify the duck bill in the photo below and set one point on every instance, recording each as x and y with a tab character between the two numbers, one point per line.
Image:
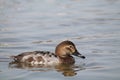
78	55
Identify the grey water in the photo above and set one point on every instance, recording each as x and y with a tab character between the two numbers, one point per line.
29	25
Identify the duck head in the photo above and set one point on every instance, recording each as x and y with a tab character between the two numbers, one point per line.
67	49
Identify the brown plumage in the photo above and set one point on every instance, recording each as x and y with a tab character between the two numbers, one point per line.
63	55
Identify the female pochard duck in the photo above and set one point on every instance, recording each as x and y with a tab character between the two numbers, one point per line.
63	55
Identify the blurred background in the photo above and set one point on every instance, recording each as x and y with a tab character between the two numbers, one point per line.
93	25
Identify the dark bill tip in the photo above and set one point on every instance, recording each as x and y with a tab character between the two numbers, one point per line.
83	57
79	55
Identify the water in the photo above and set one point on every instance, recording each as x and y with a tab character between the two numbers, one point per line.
93	25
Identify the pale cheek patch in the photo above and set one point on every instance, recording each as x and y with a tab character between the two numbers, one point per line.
72	49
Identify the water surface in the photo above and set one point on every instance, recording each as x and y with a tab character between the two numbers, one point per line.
93	25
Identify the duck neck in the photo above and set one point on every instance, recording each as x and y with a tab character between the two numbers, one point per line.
67	60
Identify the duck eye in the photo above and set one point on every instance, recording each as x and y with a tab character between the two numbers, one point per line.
71	46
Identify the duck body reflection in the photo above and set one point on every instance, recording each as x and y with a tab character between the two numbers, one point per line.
67	70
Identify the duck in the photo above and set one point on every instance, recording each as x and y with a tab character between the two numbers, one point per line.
63	54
